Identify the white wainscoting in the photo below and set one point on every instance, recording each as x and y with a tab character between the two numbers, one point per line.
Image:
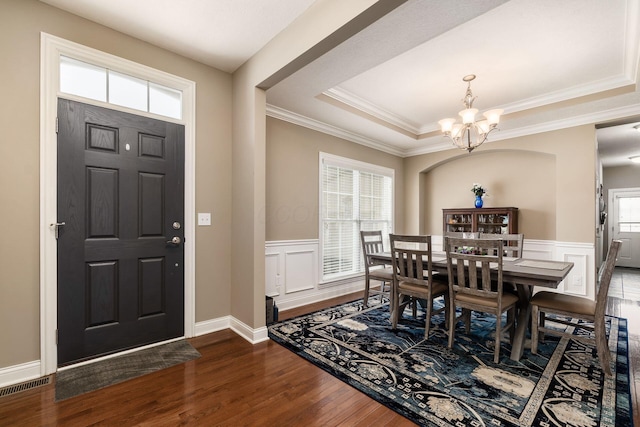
292	271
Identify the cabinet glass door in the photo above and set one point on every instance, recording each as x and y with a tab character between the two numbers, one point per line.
459	223
493	223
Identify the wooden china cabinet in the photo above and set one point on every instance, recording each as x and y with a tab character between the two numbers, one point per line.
483	220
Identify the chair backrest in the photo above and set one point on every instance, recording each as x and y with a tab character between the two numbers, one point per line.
411	258
513	243
371	244
469	265
604	277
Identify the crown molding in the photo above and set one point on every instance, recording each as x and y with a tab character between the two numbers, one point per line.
349	98
584	119
430	146
298	119
567	94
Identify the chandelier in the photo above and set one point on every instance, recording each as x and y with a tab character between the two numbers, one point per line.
470	133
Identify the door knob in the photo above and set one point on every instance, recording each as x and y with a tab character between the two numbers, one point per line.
175	240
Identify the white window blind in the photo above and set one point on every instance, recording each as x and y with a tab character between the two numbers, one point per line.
354	196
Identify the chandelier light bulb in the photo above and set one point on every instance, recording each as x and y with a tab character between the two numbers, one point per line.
493	116
483	127
446	124
468	115
457	130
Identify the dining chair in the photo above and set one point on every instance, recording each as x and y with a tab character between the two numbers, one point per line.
413	277
512	248
513	243
475	284
575	311
371	244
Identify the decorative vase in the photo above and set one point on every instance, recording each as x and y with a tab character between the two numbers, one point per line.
478	201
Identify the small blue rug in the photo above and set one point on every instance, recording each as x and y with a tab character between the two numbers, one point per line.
563	385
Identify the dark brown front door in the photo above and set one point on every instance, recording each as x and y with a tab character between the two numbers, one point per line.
121	198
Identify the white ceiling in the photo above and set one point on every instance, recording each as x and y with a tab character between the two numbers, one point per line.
219	33
549	64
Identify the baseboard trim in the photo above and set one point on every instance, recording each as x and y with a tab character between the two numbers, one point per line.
254	336
212	325
19	373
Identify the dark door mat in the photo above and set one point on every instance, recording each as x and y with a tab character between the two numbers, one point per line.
86	378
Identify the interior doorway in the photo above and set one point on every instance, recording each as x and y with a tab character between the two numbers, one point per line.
624	224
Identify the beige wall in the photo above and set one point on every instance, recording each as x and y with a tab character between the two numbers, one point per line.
321	27
292	178
448	185
21	22
557	169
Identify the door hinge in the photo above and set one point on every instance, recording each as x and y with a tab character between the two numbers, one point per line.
56	124
56	337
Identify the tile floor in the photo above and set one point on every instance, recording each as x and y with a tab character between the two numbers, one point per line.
625	284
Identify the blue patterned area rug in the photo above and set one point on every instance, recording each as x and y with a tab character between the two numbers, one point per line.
563	385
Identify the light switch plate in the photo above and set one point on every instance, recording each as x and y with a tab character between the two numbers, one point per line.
204	218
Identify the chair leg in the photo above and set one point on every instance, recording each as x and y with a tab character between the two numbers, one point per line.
534	329
447	308
366	291
452	321
603	348
466	315
385	287
427	323
496	351
511	321
395	311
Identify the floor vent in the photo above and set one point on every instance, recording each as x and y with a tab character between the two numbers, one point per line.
28	385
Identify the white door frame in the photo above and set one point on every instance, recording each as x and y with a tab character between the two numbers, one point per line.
51	48
611	210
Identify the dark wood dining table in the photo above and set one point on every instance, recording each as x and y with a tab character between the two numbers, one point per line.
524	273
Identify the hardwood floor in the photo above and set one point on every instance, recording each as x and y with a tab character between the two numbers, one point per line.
235	383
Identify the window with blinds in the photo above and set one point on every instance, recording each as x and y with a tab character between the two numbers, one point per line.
354	196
